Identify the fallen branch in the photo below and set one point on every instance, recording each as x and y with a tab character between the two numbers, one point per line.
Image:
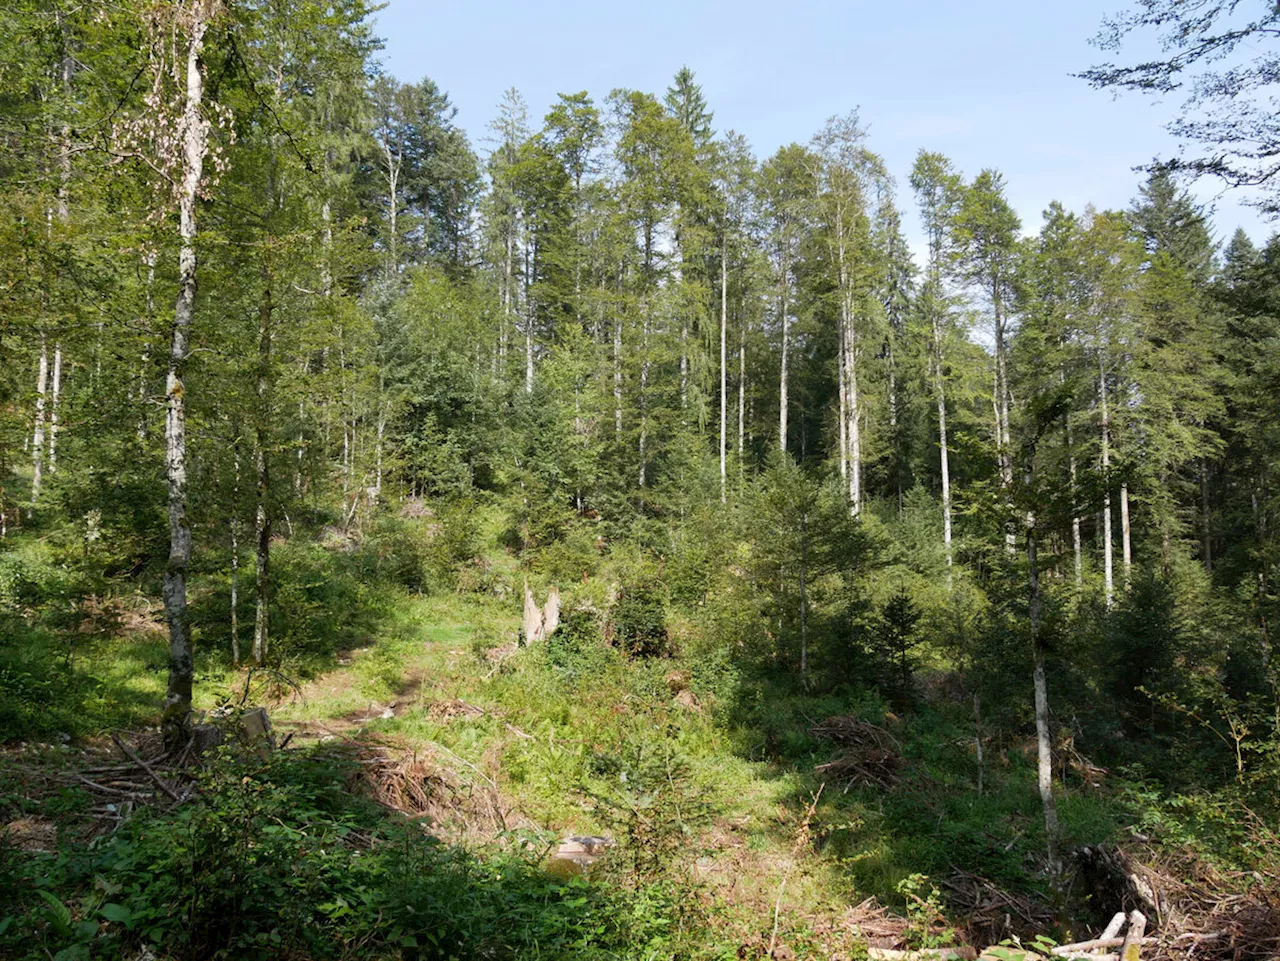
1133	940
128	752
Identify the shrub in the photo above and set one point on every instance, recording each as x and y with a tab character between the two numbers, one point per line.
639	620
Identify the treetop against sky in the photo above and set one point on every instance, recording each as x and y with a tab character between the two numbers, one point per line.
988	83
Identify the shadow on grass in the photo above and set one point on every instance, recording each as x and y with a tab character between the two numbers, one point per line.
286	858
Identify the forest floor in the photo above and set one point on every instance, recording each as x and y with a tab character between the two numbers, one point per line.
495	720
792	824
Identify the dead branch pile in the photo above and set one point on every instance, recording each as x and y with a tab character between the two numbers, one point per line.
453	798
1197	910
454	709
989	914
868	754
872	922
141	775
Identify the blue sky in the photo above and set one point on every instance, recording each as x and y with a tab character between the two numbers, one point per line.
986	82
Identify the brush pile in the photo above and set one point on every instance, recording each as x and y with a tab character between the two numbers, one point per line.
141	775
989	914
1197	910
868	754
454	800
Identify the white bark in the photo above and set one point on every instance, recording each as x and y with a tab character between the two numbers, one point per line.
53	408
1125	543
194	138
528	323
617	378
262	464
944	453
37	438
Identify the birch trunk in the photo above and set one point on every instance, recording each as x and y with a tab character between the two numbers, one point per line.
944	453
617	378
53	408
528	323
262	513
1076	544
37	437
1125	542
194	138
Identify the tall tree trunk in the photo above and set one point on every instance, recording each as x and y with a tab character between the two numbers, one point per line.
262	441
724	329
684	364
644	397
53	408
977	739
742	404
1077	548
1044	745
64	220
855	430
1125	542
37	437
1108	558
394	161
944	453
783	401
843	391
1002	414
235	559
528	321
194	133
804	598
851	432
1206	532
617	378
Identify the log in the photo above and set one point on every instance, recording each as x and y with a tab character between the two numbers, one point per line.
1113	929
1133	939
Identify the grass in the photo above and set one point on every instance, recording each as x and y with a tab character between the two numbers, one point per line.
580	738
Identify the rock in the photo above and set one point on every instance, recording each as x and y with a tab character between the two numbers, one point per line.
576	854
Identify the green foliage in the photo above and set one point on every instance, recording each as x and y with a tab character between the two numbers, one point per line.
649	797
282	858
638	621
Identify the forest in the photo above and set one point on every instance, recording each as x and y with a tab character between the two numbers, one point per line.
585	538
